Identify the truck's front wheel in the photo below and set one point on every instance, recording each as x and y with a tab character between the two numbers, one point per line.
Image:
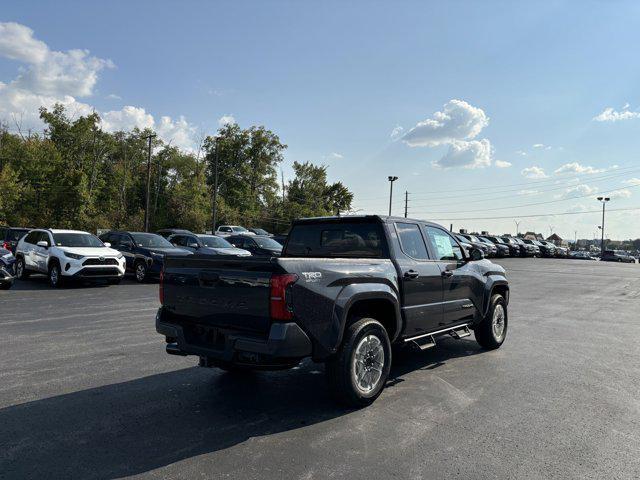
492	330
359	371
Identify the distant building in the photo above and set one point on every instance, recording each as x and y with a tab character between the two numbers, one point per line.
556	240
533	236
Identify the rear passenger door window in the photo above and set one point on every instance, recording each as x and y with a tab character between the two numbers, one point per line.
411	241
443	245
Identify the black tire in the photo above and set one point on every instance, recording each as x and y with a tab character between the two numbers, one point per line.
21	269
55	275
485	333
5	286
342	369
140	271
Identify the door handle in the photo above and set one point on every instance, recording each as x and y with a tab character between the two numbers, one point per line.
447	273
411	274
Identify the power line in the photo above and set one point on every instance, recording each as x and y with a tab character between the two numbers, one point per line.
538	215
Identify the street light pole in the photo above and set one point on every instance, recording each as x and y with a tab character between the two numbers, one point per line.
146	208
604	201
517	227
391	180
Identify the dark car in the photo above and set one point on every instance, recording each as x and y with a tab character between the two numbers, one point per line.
343	292
7	269
502	250
10	236
474	242
506	248
581	255
281	239
537	247
206	245
258	245
167	232
546	249
617	256
517	248
261	231
144	252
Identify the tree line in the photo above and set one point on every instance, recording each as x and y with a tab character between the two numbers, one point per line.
76	175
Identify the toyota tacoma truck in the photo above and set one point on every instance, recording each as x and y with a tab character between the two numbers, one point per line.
343	292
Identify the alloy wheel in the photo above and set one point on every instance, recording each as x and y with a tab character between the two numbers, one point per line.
368	363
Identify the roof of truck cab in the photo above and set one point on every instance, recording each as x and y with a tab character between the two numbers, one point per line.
361	218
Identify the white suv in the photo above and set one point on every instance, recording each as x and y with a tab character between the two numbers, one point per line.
226	230
65	254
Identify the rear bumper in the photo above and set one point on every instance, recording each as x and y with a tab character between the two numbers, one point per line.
285	346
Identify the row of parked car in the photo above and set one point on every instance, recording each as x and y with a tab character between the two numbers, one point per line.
66	254
63	255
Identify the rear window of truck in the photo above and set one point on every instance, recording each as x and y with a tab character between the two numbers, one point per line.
337	240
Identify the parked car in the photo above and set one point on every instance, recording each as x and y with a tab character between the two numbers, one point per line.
547	249
7	261
581	256
281	239
9	237
67	254
518	248
617	256
501	250
144	252
538	248
507	249
474	243
206	245
344	291
258	245
562	252
167	232
227	230
260	231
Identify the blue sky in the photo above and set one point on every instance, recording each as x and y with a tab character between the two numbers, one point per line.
516	83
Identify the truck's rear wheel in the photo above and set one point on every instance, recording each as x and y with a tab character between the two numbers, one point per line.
492	330
359	371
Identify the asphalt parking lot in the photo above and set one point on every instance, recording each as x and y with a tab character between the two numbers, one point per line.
88	392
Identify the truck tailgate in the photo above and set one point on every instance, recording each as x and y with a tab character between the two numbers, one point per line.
223	292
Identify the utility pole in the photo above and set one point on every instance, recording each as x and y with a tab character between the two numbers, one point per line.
391	180
146	208
604	201
406	203
215	187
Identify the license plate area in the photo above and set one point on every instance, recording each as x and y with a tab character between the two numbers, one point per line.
204	336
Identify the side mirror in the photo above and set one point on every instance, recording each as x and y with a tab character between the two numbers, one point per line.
193	245
107	244
43	244
476	254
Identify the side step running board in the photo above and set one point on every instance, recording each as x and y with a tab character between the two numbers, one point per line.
460	332
424	343
427	340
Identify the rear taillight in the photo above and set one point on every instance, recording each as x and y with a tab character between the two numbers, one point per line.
6	246
161	287
279	308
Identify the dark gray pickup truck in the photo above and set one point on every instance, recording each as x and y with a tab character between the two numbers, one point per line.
343	292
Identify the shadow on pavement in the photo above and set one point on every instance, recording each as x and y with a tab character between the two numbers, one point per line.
140	425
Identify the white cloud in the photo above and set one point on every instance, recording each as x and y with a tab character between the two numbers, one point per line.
17	43
336	155
226	120
528	192
113	96
575	167
609	114
580	190
51	77
538	145
522	153
502	164
632	181
473	154
620	194
533	172
396	133
457	121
